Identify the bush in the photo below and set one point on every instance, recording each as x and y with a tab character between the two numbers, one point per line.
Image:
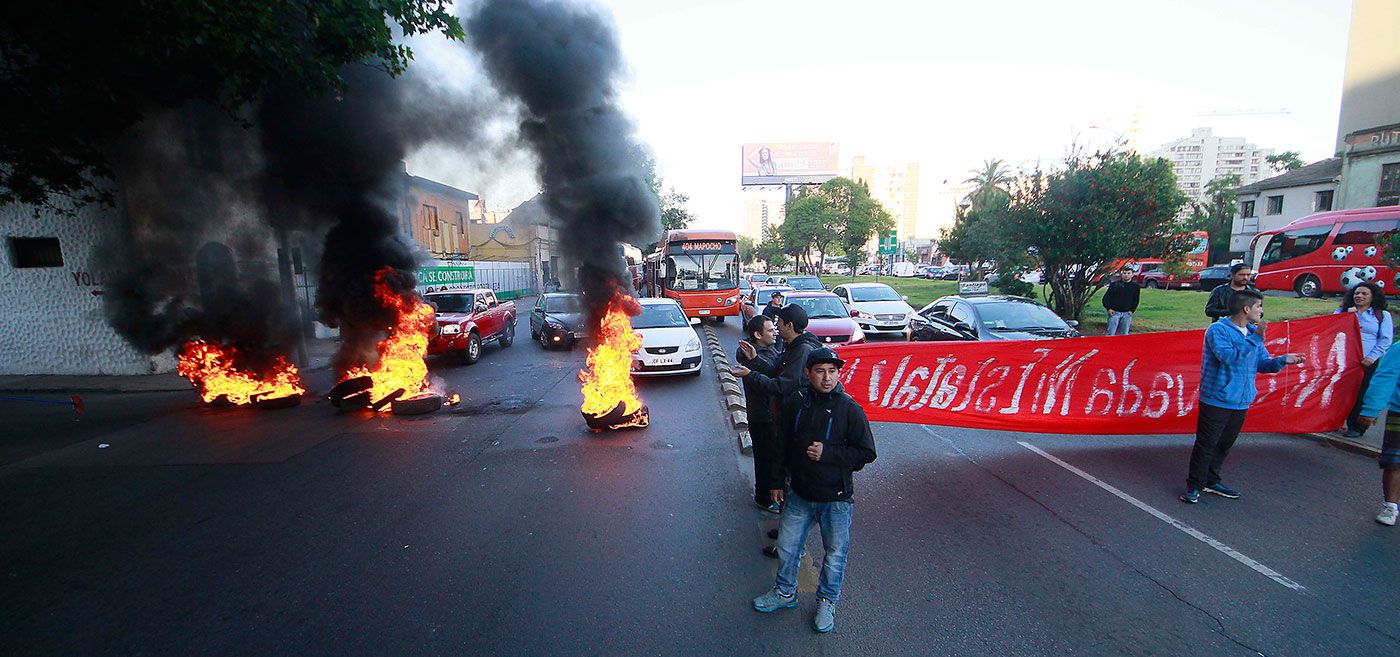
1010	283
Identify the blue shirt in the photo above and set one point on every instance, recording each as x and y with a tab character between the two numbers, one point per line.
1383	388
1230	359
1377	334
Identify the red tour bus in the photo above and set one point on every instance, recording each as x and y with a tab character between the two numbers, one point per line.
1326	253
697	268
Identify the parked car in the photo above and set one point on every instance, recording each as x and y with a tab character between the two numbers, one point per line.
801	282
827	317
877	307
754	303
557	320
467	318
1213	277
994	317
1159	278
903	269
954	272
670	344
933	273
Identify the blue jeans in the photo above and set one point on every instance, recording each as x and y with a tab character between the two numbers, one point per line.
798	517
1119	323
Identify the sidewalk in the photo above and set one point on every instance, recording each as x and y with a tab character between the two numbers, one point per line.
1368	444
318	353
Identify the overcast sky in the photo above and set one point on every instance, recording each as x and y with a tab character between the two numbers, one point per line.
948	85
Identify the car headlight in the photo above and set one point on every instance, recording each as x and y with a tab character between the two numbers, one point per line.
857	335
451	329
864	315
693	345
730	300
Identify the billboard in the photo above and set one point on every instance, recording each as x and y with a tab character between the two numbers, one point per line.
788	163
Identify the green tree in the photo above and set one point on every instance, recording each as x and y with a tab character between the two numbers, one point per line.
992	182
1081	219
1285	161
770	250
853	217
77	76
1216	215
746	250
805	222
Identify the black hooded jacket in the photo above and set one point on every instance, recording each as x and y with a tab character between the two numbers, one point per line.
790	374
836	421
760	404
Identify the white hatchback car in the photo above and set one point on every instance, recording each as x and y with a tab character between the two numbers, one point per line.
876	307
669	344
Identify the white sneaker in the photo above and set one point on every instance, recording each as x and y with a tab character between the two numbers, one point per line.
1387	515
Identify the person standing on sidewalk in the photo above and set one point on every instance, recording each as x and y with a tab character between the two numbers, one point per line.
825	437
1218	305
1367	300
797	343
1231	357
1384	391
762	341
1121	301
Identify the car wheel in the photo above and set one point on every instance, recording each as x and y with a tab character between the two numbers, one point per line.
1152	284
534	335
543	340
1308	286
507	336
473	351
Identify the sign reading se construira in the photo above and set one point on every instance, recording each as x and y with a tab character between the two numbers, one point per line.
777	163
446	275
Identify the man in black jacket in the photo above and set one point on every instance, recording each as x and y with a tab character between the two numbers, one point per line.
789	375
825	437
763	343
1218	305
1121	301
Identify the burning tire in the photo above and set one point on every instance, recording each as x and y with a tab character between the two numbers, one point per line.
352	387
420	404
274	403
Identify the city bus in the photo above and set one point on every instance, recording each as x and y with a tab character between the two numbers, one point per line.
697	268
1326	253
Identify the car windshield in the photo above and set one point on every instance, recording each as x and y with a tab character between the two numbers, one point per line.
765	294
1018	316
805	283
758	278
821	307
563	304
695	271
452	303
659	315
881	293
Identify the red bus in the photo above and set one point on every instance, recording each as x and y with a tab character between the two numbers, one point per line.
1326	253
697	268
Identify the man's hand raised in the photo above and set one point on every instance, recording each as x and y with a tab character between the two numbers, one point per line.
747	350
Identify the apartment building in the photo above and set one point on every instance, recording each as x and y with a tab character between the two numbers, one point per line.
1203	157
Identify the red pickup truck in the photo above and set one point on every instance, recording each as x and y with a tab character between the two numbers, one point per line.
467	318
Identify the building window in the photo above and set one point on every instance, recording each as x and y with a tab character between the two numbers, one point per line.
1247	209
1322	201
430	218
1275	205
1390	185
31	252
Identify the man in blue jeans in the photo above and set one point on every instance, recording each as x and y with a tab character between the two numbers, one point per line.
824	437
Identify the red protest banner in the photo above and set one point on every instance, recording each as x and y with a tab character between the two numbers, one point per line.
1133	384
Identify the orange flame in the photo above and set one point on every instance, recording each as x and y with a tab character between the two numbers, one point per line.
401	353
608	379
213	371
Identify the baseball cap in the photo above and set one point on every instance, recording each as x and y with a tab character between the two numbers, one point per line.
824	355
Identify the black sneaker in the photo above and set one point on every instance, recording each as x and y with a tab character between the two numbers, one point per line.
773	534
770	551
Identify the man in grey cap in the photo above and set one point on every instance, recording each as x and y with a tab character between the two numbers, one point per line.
825	437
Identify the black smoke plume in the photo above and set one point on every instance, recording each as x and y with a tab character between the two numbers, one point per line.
562	63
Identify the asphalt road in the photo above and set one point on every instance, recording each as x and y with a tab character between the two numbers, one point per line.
504	528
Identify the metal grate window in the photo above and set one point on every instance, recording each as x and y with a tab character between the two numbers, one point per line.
33	252
1389	193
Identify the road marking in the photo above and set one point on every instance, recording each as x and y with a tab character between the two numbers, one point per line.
1187	529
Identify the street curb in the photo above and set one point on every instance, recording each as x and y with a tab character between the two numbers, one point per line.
732	392
1348	445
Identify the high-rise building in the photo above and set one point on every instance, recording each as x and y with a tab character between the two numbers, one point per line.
896	188
759	214
1203	157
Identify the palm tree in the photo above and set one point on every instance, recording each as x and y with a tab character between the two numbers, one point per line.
991	181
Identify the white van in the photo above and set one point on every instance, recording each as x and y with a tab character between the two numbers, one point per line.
903	270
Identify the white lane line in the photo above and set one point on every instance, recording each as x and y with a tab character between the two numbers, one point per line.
1190	531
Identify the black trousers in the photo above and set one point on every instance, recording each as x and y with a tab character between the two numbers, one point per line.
1216	431
1352	422
766	460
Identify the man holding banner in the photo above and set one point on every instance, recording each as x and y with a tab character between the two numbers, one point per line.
1233	354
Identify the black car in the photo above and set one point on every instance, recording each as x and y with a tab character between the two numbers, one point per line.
994	317
803	283
557	320
1213	277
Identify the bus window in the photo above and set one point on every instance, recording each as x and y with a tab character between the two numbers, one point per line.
1363	232
1294	243
695	271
